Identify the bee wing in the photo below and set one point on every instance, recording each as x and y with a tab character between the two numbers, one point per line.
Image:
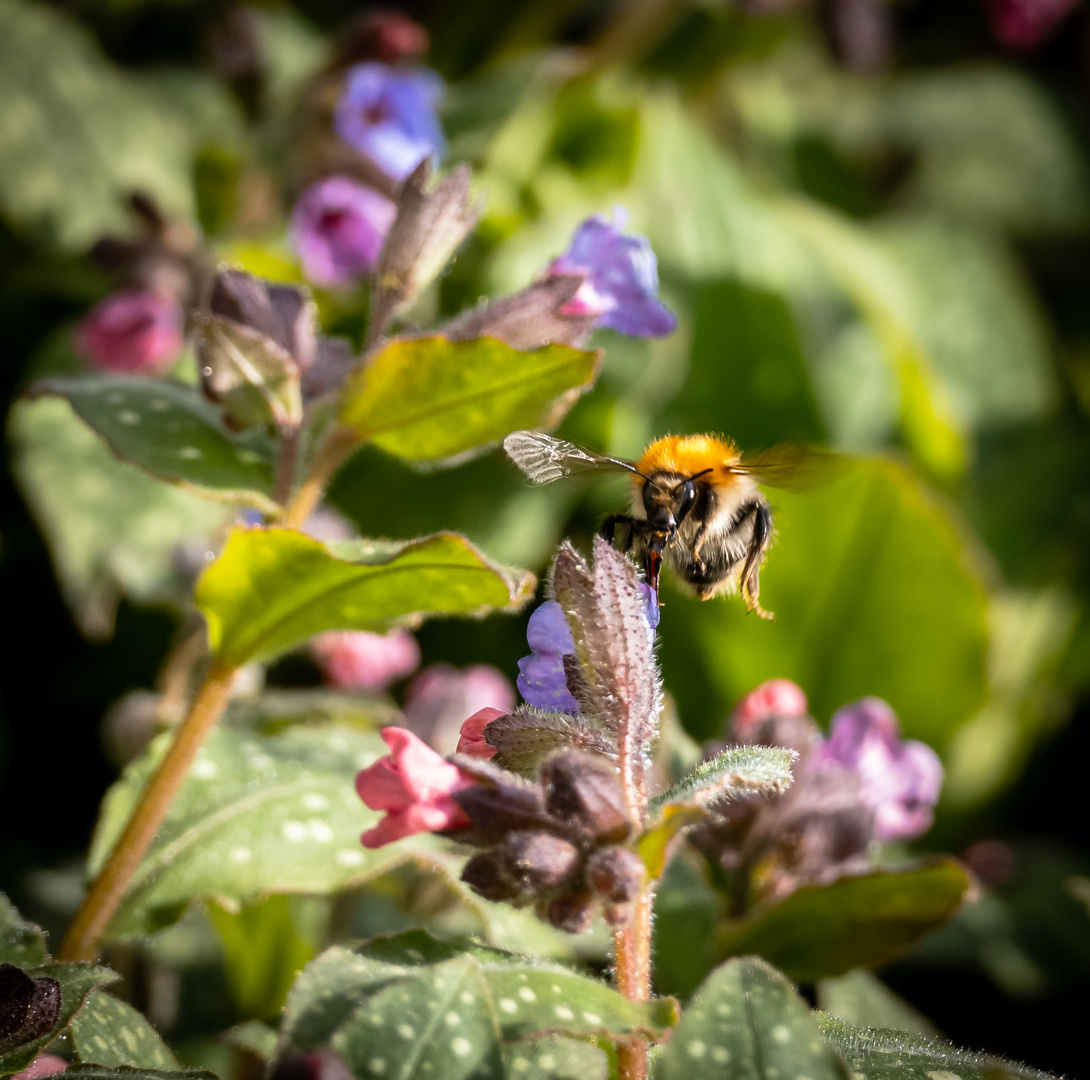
795	466
545	459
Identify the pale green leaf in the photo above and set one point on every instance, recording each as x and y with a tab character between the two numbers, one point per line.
107	1031
737	771
430	400
21	942
272	589
861	998
170	431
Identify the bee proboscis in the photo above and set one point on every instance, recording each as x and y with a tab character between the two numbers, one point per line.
695	502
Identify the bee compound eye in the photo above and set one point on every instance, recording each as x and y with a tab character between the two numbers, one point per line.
686	497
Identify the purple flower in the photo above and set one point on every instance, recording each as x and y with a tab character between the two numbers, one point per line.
620	278
900	779
389	115
338	227
135	331
541	679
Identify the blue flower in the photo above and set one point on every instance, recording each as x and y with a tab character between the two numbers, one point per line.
389	115
620	278
541	679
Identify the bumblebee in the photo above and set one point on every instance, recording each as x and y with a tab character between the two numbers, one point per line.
695	502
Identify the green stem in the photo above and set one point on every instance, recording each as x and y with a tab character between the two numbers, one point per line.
109	888
285	467
632	949
330	458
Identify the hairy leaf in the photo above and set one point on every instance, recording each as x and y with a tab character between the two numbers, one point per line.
748	1023
107	1031
257	814
21	942
737	771
168	430
823	930
272	589
861	998
874	1054
433	401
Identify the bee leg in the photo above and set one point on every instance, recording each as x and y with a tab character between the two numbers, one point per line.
698	542
751	569
608	531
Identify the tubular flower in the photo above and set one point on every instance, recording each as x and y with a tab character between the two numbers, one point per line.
338	228
620	278
414	785
900	779
541	679
389	115
442	696
135	331
471	739
360	660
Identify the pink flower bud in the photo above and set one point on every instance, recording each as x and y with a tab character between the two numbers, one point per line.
414	786
1024	24
359	660
42	1065
471	739
135	331
776	697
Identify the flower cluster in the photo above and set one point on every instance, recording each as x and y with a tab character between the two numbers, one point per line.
552	797
861	784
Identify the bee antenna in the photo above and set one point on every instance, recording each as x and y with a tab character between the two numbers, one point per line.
703	472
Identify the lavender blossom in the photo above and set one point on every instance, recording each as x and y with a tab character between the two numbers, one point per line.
900	779
541	679
338	227
620	278
388	114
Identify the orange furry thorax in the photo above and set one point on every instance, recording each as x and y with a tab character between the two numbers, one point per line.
686	455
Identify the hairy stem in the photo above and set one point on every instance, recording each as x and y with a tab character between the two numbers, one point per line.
108	889
632	947
330	458
285	466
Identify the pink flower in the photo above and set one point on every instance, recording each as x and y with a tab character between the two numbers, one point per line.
442	696
900	778
42	1065
132	331
1024	24
776	697
338	227
359	660
471	739
414	786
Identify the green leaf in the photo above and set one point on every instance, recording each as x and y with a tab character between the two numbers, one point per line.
439	1023
274	710
110	1032
896	1055
528	998
432	401
170	431
862	999
737	771
76	981
272	589
125	1072
111	529
747	1023
872	583
555	1058
823	930
257	814
21	942
254	1036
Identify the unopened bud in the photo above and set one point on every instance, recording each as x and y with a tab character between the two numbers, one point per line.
538	861
584	792
485	875
573	913
616	874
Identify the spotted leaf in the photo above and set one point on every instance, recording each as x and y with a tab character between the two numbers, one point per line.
107	1031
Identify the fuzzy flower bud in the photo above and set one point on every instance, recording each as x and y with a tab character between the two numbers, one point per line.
338	227
471	738
414	785
360	660
900	779
583	791
135	331
620	278
389	115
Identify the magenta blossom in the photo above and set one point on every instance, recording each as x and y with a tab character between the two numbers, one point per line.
620	278
135	331
442	696
359	660
1025	24
900	778
388	114
338	227
471	738
776	697
414	786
